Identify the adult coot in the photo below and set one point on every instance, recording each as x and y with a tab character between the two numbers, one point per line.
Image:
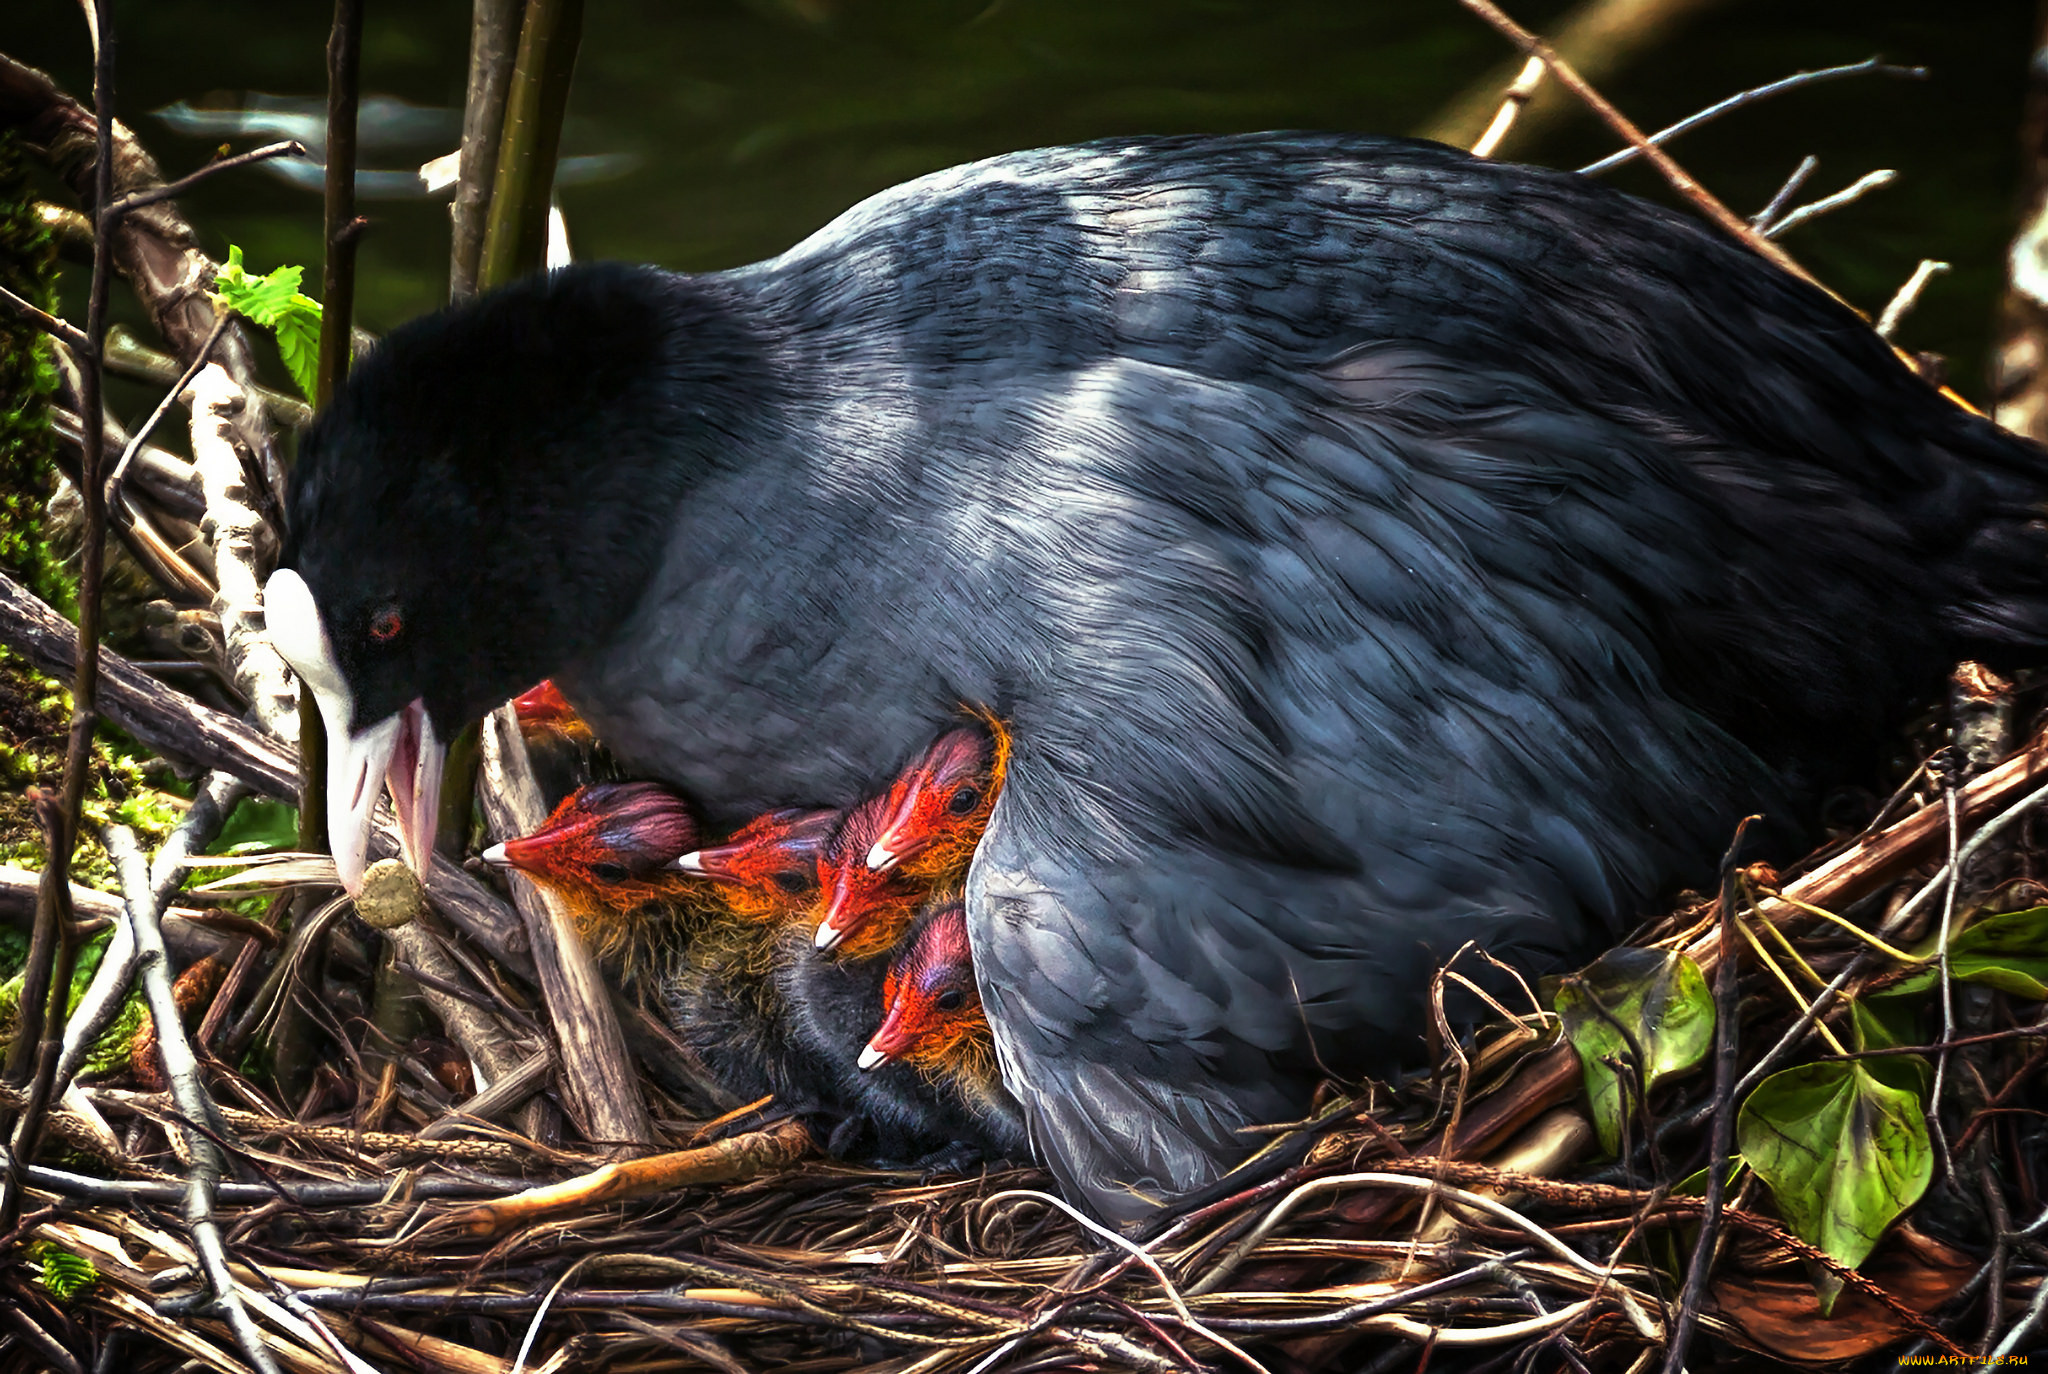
1368	549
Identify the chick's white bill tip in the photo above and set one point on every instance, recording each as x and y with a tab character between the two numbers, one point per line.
872	1058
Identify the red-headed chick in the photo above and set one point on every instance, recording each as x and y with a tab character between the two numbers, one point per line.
543	710
609	852
863	911
939	805
932	1014
768	869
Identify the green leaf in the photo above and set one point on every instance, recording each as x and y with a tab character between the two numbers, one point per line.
1844	1154
1662	1000
2008	952
275	302
1880	1026
257	824
63	1274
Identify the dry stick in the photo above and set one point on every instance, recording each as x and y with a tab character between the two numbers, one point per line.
1517	95
1901	304
1855	191
1870	66
154	247
1765	217
141	435
46	982
1680	180
181	1065
1948	1004
161	718
76	338
101	1001
291	147
1725	1074
596	1070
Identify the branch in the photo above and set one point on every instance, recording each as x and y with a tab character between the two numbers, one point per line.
201	1127
1849	194
46	980
154	247
135	201
101	1001
242	545
1869	66
1726	1066
595	1066
119	477
71	334
1680	180
161	718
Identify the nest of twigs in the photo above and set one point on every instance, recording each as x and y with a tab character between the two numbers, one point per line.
1468	1215
1825	1149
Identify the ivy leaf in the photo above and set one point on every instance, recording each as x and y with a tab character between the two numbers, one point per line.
2008	952
1663	1001
1844	1154
1884	1025
275	302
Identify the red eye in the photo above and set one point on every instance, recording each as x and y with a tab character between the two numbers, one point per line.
385	624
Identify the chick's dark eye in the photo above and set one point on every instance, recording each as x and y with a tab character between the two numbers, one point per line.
964	801
952	999
385	623
609	872
791	881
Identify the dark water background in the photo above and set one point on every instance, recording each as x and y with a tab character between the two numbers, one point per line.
755	122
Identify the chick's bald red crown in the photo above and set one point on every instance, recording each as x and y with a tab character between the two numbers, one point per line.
931	1002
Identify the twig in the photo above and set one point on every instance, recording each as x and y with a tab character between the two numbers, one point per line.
163	407
1870	66
2023	1331
181	1066
1173	1296
46	981
74	337
161	718
1726	1047
1855	191
136	200
1908	296
1680	180
1948	779
596	1069
1808	165
1985	834
101	1001
1517	95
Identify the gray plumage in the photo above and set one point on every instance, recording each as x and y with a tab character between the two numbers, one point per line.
1369	548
